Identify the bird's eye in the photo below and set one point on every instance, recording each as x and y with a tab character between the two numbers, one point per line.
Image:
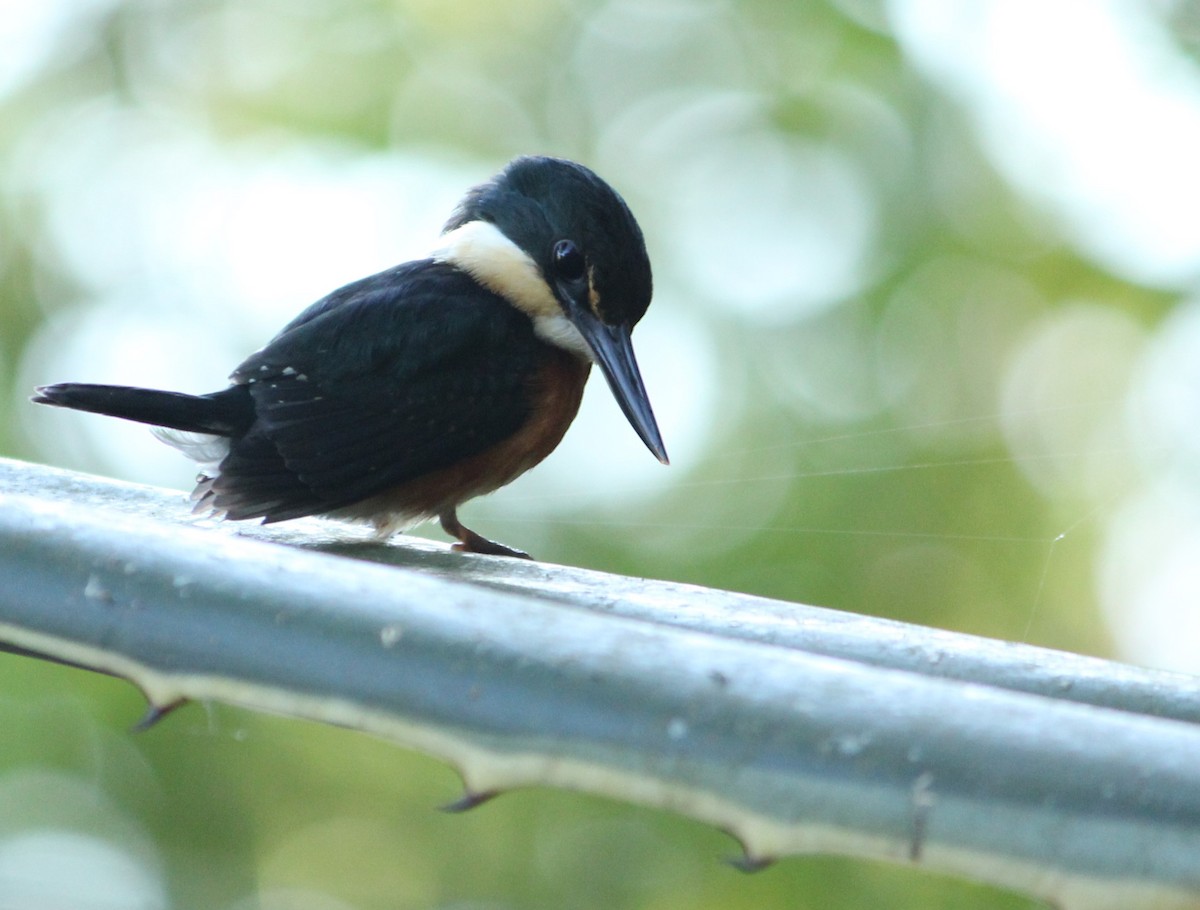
568	261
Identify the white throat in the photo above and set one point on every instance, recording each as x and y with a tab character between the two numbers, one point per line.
483	251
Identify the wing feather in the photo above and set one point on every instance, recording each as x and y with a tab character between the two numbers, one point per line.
384	381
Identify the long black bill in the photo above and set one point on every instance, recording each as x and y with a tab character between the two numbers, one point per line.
614	353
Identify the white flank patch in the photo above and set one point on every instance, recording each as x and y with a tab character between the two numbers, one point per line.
207	450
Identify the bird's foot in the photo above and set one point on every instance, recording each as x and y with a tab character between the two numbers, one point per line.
470	542
477	544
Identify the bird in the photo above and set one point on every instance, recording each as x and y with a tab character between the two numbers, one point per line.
398	397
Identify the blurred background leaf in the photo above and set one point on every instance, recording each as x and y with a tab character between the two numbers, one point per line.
924	345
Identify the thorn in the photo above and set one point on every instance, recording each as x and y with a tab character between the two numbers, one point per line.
923	800
469	800
748	862
155	713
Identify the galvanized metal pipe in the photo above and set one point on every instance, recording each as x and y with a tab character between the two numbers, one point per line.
794	735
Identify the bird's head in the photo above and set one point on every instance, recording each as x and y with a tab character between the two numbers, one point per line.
561	245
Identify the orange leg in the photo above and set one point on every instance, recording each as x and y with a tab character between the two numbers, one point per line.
470	542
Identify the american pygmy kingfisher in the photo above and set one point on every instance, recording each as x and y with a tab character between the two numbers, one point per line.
400	396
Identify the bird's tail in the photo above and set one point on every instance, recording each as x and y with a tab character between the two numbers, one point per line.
221	413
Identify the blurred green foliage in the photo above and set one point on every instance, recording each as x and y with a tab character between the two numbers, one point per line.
874	301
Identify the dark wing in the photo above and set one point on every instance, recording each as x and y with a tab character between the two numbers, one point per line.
392	377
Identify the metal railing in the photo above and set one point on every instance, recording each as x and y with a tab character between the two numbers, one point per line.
796	729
